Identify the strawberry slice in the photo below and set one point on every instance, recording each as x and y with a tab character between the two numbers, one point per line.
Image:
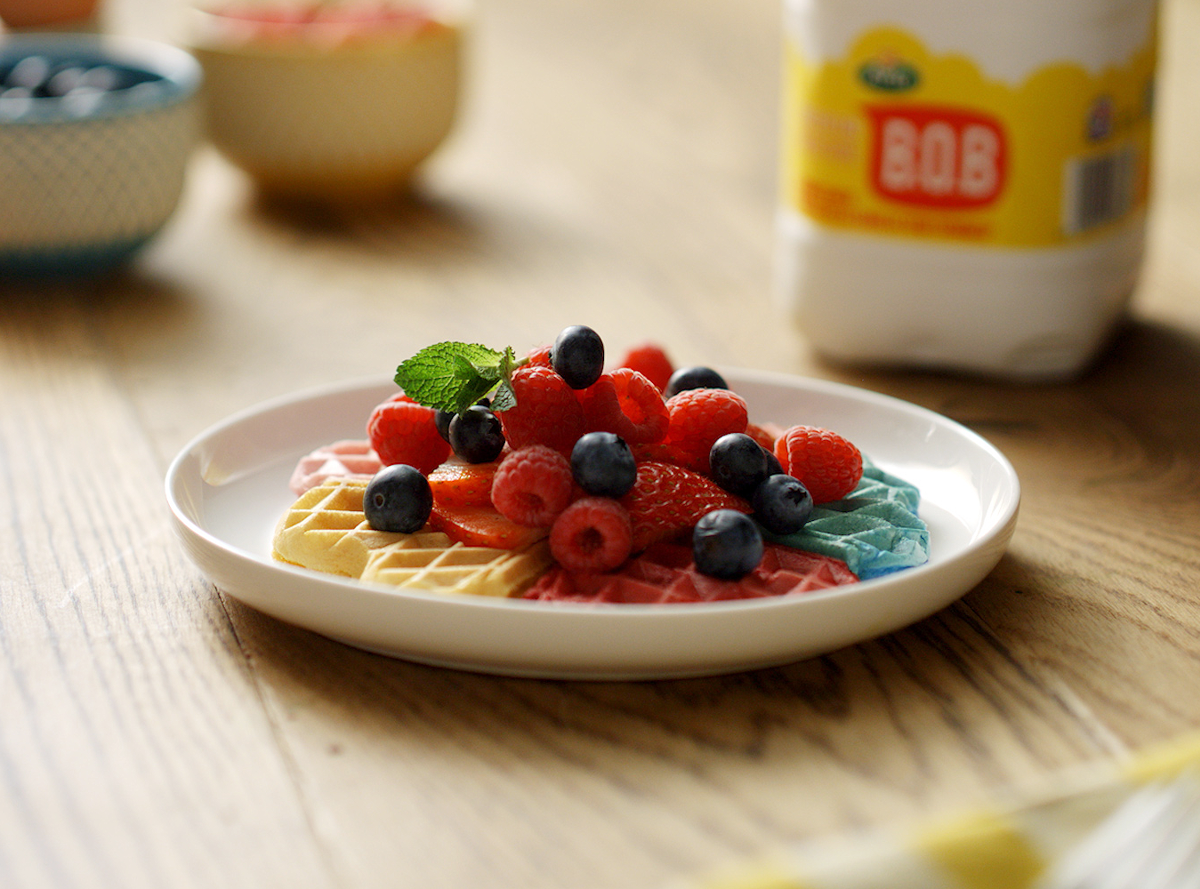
482	526
667	499
459	483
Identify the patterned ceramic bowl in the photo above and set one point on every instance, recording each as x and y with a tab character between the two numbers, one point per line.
95	135
324	99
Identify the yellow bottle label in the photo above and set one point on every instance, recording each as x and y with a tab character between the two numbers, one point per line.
897	141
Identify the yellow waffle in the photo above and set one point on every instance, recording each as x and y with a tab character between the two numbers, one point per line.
325	530
430	561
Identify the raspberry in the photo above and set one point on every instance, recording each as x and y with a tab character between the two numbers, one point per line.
625	403
650	361
824	462
593	534
547	411
532	486
764	433
698	417
402	431
667	499
539	356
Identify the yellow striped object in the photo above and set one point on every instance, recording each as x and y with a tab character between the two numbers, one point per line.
1003	847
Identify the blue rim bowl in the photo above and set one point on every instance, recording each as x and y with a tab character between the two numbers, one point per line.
85	183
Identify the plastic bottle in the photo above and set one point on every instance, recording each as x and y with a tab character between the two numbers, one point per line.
965	183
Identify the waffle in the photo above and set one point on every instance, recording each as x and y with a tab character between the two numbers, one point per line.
432	562
325	530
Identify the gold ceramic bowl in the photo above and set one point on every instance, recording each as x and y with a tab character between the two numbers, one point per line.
328	108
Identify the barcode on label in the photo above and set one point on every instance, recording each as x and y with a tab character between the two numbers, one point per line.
1099	189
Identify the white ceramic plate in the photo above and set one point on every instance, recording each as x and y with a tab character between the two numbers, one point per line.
228	488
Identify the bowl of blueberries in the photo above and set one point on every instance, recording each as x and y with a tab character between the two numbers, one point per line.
96	132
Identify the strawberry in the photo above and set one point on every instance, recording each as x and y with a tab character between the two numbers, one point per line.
459	483
656	452
667	499
824	462
482	526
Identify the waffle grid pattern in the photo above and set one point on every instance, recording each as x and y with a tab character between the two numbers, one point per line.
325	530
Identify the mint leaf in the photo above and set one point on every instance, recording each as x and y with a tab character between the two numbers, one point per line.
487	371
446	376
509	363
504	397
453	376
463	369
472	390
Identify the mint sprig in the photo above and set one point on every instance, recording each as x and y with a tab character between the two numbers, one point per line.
453	376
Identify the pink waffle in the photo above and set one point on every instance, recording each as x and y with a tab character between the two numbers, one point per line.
342	459
664	574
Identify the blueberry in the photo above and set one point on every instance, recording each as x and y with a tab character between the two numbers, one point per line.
441	419
603	465
476	435
694	378
578	356
782	504
773	465
738	464
726	544
102	77
28	73
14	102
398	498
64	80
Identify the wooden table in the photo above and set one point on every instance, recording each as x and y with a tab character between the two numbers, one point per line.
615	166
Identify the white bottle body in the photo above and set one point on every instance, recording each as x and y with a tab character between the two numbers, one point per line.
965	184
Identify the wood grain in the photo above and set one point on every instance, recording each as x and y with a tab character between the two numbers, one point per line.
615	166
